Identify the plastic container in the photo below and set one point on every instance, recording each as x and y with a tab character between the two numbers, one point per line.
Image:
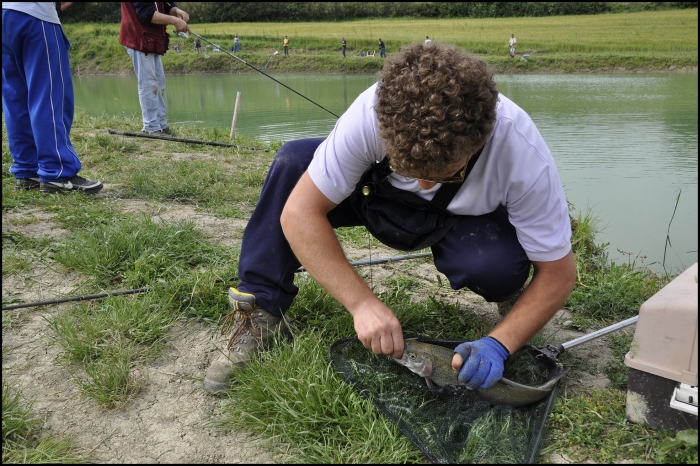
664	354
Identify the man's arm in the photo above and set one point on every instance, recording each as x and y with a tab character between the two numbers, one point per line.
147	13
551	285
306	227
177	20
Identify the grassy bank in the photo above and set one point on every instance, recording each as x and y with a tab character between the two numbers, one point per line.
646	41
119	239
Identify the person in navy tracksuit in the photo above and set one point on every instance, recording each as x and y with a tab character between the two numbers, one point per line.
37	99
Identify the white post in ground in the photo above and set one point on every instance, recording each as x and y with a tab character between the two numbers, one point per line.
235	114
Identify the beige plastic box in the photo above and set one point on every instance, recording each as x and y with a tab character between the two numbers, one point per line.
666	339
664	353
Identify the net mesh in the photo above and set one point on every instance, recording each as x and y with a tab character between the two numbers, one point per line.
451	424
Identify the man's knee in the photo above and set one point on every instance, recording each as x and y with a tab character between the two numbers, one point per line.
299	149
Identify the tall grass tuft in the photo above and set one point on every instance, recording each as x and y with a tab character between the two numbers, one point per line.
137	251
101	341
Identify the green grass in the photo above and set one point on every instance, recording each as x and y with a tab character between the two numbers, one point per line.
592	426
102	340
21	253
22	440
642	40
136	252
616	370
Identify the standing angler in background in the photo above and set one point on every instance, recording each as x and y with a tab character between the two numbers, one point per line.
236	43
37	99
432	155
382	48
143	34
344	45
511	44
285	44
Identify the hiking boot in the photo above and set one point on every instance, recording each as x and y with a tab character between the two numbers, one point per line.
27	183
504	307
77	183
245	331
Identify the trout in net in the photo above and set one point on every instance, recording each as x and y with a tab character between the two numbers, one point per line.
434	362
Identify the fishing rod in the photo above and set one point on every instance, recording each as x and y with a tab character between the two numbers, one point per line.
188	141
185	36
359	263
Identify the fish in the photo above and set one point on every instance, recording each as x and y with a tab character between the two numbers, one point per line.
434	363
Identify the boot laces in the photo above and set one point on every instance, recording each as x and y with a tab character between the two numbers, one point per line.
244	319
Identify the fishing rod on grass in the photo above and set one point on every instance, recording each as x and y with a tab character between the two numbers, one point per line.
184	35
188	141
146	289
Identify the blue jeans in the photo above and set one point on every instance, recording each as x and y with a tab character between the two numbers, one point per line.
480	252
382	52
37	98
151	85
236	48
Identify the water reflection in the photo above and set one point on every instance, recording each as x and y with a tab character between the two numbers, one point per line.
624	144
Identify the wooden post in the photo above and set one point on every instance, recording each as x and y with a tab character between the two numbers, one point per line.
235	115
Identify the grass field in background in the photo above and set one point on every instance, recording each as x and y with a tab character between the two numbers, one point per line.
631	41
664	31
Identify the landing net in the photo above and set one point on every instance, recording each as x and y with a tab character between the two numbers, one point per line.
451	424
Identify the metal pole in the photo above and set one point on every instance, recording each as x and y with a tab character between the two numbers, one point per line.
599	333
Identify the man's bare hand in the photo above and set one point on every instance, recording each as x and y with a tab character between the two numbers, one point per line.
181	26
180	14
378	329
65	5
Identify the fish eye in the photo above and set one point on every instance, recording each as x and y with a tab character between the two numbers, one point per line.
411	355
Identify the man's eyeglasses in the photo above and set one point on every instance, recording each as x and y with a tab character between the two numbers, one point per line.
456	178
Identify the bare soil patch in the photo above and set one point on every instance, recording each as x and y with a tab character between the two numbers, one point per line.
164	422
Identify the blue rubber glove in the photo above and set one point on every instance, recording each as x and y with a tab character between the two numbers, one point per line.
483	362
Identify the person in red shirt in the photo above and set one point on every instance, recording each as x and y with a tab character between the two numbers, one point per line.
143	34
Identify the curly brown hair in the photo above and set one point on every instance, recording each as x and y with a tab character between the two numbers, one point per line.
436	104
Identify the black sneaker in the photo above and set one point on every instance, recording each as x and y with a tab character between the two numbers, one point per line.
77	183
27	183
169	132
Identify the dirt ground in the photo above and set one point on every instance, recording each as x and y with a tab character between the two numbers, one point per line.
163	423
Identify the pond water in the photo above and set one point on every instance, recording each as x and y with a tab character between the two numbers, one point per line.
625	145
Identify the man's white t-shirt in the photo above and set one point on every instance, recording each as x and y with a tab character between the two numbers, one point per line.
515	169
512	41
